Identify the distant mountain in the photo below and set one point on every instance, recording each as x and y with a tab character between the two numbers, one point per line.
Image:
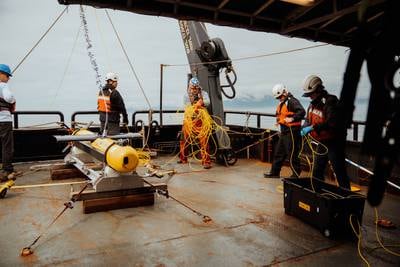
250	101
267	104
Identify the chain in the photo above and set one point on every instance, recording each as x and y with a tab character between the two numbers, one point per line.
89	47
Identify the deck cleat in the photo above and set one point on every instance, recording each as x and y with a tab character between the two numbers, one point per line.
207	219
26	251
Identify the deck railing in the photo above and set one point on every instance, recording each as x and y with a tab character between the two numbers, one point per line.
17	114
247	115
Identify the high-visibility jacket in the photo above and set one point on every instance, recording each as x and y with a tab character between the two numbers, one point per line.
110	103
290	107
282	112
103	101
321	114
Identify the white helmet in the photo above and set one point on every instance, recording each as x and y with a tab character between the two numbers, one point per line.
310	84
278	90
112	76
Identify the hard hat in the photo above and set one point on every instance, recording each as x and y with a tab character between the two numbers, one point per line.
194	82
5	69
112	76
278	90
310	84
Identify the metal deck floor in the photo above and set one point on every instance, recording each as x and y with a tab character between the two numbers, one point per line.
249	226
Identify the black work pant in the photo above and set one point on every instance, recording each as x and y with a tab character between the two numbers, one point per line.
112	128
7	145
288	146
336	155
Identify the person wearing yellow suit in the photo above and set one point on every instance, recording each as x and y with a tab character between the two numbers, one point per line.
289	114
192	126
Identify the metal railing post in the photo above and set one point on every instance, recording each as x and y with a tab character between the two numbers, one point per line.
161	93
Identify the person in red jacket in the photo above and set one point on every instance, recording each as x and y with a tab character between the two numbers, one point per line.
289	114
110	105
320	123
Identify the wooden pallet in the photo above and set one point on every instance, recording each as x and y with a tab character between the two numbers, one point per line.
122	202
93	201
69	171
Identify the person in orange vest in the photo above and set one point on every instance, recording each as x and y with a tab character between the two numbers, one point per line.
289	114
110	105
192	124
7	106
320	123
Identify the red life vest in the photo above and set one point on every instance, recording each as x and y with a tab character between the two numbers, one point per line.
103	102
282	112
316	116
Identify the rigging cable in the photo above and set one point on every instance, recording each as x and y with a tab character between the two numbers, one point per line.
41	38
67	66
94	64
129	61
206	218
150	119
248	57
26	251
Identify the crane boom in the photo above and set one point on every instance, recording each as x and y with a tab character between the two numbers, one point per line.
207	57
202	53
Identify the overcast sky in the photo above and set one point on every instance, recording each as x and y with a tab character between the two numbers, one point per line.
59	76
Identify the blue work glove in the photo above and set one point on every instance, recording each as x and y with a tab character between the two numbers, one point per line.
306	130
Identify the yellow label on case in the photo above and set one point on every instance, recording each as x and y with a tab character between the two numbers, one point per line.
304	206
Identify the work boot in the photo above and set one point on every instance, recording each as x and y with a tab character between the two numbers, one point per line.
3	179
294	175
207	166
271	175
4	176
9	175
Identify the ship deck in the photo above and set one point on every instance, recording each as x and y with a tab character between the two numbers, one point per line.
249	226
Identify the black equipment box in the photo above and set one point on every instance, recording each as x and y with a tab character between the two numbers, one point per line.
325	206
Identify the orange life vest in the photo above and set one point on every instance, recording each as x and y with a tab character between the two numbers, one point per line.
282	112
103	102
316	116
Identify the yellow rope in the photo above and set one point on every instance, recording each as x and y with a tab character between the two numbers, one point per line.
46	185
358	234
309	140
191	119
378	238
144	157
